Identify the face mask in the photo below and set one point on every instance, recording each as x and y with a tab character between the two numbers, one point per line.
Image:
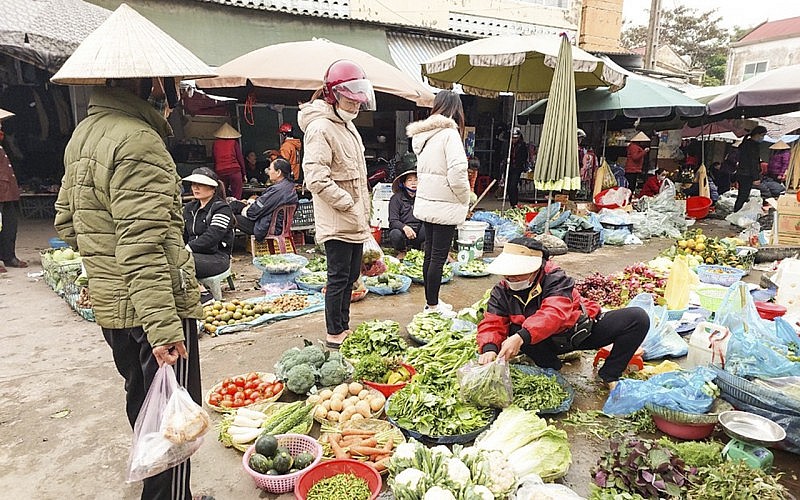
347	116
518	286
410	190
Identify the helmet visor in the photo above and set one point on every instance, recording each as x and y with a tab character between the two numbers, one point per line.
359	91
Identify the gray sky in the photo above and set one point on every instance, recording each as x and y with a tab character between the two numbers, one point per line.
743	13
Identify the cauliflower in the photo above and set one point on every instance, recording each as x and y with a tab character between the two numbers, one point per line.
313	355
500	474
332	373
406	451
410	479
443	450
457	472
478	492
438	493
300	378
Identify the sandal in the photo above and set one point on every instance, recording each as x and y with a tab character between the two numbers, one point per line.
16	263
3	269
335	345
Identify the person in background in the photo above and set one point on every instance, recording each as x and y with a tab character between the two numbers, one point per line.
252	168
9	207
779	161
653	184
404	229
748	172
336	174
255	218
536	310
290	149
637	151
228	159
208	226
728	168
443	192
519	160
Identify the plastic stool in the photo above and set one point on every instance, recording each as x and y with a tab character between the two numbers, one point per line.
214	283
603	353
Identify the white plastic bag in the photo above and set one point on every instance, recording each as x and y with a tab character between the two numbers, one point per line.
168	430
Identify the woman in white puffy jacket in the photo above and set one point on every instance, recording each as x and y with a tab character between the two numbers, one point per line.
443	190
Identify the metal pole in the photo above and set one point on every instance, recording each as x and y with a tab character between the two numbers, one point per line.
510	145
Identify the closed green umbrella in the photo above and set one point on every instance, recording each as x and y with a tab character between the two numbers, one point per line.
557	160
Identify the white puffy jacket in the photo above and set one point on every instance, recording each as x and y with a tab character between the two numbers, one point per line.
443	187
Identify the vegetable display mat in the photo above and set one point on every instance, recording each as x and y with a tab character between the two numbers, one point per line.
316	302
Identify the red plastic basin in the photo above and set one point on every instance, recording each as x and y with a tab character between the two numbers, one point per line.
389	389
684	431
697	207
770	311
324	470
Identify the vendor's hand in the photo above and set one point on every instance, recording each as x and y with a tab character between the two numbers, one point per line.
169	353
510	347
487	357
410	234
244	209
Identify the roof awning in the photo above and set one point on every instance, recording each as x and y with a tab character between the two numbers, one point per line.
409	50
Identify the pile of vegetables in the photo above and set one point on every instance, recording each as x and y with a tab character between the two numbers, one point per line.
340	487
389	280
374	337
376	368
315	278
703	249
474	313
420	473
317	264
695	453
445	353
285	303
273	460
485	385
642	467
595	423
617	290
475	267
734	480
281	263
345	403
427	324
231	313
240	428
412	266
245	390
373	446
536	392
302	368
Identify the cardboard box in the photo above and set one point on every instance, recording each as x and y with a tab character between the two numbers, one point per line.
789	225
787	239
788	204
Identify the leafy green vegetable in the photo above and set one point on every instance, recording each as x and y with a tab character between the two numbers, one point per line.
485	385
317	264
384	280
374	367
314	278
603	427
695	453
548	456
412	266
513	429
446	352
428	324
734	480
374	337
536	392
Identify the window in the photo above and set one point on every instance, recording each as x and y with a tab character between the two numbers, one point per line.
753	69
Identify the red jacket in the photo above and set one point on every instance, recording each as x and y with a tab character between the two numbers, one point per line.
634	159
228	156
652	186
9	189
547	309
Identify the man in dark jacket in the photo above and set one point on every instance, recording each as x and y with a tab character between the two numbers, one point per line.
256	217
748	173
404	229
519	160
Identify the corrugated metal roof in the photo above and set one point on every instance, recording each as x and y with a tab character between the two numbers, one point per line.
337	9
409	50
772	30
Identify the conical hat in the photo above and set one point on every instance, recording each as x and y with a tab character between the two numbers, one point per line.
640	137
780	145
127	45
5	114
227	132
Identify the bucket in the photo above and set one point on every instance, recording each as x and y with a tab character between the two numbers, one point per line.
469	250
376	233
472	231
708	345
57	243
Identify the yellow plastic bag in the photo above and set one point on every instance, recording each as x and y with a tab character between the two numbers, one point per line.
676	292
603	178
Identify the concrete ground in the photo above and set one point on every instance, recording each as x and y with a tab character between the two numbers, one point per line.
62	420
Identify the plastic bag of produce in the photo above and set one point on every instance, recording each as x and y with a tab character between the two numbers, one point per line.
661	340
688	391
372	259
486	385
168	430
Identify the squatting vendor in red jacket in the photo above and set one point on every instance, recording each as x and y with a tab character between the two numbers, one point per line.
535	309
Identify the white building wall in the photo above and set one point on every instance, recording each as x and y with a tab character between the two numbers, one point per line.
776	53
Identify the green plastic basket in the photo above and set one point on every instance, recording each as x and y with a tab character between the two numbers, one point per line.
711	296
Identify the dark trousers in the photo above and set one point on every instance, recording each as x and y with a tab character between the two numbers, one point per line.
632	178
512	185
398	240
8	235
233	182
134	359
210	264
625	328
344	266
745	184
438	240
723	182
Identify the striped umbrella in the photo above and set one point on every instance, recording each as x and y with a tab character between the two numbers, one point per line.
557	160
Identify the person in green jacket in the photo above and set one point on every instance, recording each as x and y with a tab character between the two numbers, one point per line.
120	206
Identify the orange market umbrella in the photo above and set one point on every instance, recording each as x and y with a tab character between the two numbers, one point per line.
288	73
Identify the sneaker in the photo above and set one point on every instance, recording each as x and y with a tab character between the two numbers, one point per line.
206	298
442	308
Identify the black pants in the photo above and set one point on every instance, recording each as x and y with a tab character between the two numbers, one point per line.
723	182
344	266
633	179
512	185
625	328
745	184
438	240
8	235
134	359
210	264
398	240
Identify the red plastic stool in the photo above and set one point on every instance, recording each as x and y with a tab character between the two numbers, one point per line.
603	353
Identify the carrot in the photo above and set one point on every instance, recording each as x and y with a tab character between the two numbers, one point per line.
381	465
338	452
367	450
387	447
357	432
377	458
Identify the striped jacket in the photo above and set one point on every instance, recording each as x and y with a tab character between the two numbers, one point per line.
209	229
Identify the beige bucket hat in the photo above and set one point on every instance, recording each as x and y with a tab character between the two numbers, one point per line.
640	137
780	145
5	114
227	132
515	260
127	45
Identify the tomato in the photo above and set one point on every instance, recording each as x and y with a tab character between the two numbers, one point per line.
248	392
226	382
232	389
252	376
267	393
248	402
239	395
225	403
251	384
262	386
237	404
255	395
215	399
239	381
277	387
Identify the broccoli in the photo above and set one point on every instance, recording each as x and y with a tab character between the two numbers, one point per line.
300	378
336	356
313	355
332	373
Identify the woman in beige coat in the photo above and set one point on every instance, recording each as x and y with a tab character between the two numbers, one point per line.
336	174
442	186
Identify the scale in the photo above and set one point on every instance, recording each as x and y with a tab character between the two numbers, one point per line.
750	435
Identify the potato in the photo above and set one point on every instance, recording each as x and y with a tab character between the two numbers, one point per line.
355	388
320	412
333	416
353	399
363	394
357	416
347	403
376	402
336	404
347	413
325	394
313	399
326	404
363	408
342	389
